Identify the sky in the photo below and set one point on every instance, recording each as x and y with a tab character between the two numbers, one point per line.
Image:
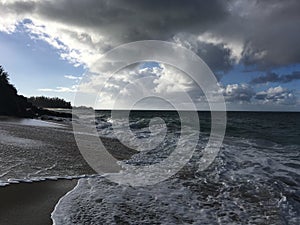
252	47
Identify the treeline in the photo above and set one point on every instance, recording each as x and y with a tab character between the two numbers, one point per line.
46	102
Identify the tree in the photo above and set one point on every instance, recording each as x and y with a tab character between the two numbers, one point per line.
3	76
10	102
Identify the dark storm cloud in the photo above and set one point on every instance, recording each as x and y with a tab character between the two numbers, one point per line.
272	33
24	7
268	32
274	77
130	20
238	93
216	56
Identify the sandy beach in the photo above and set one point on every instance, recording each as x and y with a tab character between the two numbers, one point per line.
30	149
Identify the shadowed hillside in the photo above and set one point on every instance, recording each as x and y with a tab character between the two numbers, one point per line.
12	104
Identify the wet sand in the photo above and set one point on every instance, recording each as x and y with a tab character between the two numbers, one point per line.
31	203
39	145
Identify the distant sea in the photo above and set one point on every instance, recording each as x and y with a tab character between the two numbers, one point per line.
255	179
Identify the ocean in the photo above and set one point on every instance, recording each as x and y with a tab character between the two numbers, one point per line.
255	178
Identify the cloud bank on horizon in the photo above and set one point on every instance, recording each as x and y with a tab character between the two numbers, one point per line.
261	36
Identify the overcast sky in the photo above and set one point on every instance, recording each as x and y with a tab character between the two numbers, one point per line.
251	46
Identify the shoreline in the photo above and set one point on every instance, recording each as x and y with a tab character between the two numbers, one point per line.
32	203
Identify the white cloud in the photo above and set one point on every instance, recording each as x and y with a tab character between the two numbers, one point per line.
68	40
277	95
60	89
71	77
140	81
171	80
235	46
